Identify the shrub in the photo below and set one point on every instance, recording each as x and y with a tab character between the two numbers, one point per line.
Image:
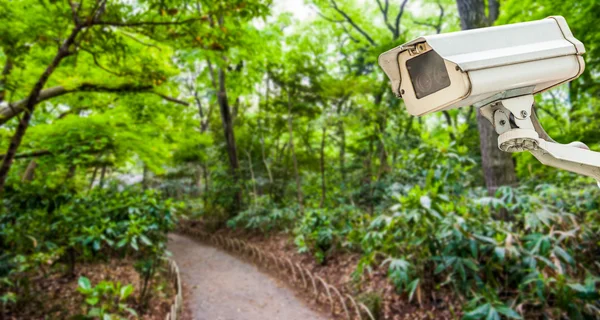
539	260
106	300
264	216
105	223
320	231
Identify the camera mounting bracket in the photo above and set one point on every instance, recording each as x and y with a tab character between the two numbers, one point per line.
519	130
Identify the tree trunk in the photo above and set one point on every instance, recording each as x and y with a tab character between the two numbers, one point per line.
32	99
450	126
382	124
368	178
342	151
29	174
255	194
8	65
229	137
102	175
264	159
206	189
72	172
93	177
145	177
498	166
293	152
323	184
262	137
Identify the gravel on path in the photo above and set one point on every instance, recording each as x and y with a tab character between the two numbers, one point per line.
223	287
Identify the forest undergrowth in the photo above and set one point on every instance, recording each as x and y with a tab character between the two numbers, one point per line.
85	256
527	252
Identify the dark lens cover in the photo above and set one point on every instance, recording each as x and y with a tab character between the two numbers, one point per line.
428	73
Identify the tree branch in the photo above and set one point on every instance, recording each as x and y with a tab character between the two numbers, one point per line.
140	41
349	34
12	110
75	12
171	99
144	23
437	26
398	18
328	18
351	22
31	154
384	11
97	63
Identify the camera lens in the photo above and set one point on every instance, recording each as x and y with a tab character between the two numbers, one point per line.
440	76
424	82
428	74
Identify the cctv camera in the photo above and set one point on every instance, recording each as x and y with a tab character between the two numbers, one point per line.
477	67
498	69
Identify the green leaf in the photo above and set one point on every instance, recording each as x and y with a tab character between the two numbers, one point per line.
510	313
500	252
485	239
126	291
479	312
84	283
471	264
131	311
492	315
134	244
412	288
578	287
560	252
95	312
145	240
96	245
122	243
92	301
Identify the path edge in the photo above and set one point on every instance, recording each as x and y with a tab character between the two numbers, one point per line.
175	278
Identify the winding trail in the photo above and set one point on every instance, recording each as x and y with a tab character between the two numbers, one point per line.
223	287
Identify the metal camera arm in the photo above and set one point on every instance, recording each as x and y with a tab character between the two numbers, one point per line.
519	130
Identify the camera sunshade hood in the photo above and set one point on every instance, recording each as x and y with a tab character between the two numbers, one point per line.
492	47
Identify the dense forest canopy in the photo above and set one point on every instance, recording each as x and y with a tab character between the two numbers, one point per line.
254	118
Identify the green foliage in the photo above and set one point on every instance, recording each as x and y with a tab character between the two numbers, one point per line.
105	220
541	252
71	228
373	301
264	216
106	300
320	231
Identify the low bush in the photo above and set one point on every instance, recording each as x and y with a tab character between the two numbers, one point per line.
67	229
265	216
539	262
106	300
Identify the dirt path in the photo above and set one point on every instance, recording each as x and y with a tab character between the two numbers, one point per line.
223	287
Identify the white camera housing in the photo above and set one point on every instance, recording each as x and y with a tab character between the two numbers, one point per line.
483	65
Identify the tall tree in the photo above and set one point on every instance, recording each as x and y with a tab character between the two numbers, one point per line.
227	119
93	28
498	166
299	194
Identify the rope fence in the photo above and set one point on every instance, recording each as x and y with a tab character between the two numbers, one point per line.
175	278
